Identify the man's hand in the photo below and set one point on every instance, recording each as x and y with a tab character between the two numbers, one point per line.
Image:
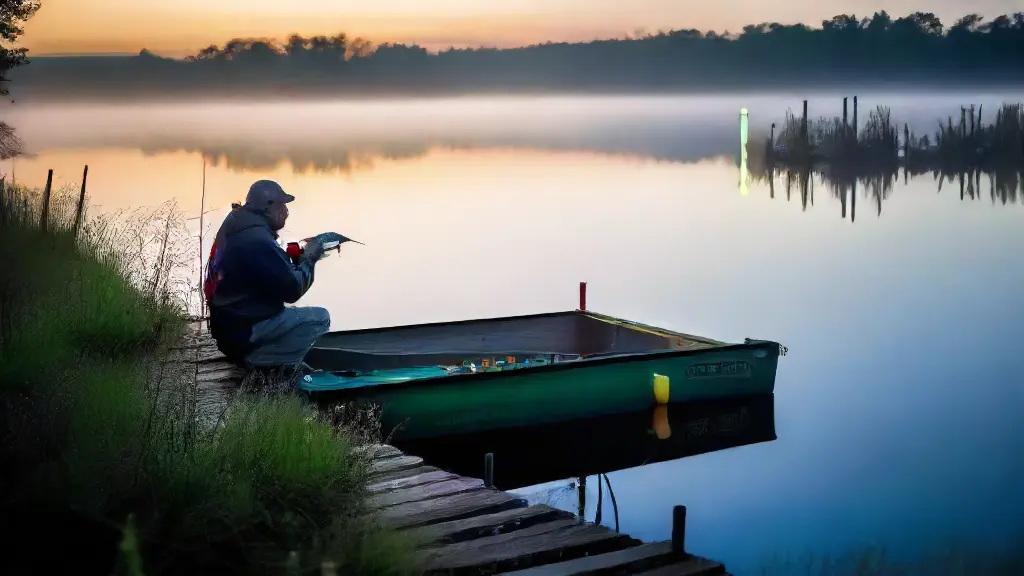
313	250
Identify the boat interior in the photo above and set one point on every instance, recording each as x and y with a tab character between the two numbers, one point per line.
566	334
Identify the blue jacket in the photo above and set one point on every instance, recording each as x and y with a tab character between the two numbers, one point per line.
249	279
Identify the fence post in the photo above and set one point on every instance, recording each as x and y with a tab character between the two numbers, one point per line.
81	201
45	217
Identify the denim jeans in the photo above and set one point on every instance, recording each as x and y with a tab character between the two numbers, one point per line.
285	339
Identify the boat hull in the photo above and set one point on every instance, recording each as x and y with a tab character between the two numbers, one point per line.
465	403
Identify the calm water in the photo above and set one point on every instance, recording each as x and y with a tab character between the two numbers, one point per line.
899	408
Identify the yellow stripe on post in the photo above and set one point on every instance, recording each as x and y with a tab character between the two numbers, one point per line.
661	389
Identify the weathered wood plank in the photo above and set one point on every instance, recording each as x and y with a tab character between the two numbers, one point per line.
626	561
454	507
401	474
216	365
540	544
394	465
229	375
425	492
379	451
693	566
192	342
411	481
487	525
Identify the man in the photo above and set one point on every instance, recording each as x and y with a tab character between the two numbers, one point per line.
249	278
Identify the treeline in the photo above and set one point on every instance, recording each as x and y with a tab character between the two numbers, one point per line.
846	49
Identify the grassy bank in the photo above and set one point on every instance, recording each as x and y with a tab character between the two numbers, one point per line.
104	467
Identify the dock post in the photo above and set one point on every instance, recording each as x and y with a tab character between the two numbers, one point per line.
583	296
679	530
489	470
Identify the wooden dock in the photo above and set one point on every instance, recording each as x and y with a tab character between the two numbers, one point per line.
463	525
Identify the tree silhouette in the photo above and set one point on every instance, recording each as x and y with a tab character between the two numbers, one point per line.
13	14
914	48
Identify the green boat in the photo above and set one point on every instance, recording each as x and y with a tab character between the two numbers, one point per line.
457	377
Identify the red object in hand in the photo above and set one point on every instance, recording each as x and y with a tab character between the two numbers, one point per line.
294	251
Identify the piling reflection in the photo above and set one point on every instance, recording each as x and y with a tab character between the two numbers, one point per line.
577	449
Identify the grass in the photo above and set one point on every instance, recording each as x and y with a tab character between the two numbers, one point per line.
103	452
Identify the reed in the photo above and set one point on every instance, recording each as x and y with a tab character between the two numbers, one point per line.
964	144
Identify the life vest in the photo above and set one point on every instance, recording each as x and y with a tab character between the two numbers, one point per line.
213	273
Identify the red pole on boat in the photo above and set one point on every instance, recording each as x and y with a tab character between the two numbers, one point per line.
583	296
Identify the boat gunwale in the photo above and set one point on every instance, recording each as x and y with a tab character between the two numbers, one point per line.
570	365
595	315
653	329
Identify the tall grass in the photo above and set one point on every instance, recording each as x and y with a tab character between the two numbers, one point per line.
104	467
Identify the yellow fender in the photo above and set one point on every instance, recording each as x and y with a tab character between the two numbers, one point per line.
661	389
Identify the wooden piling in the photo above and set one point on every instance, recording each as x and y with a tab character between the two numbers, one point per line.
803	123
906	142
45	217
972	120
81	201
489	470
846	127
855	118
679	530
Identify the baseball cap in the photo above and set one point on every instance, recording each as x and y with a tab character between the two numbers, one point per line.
266	192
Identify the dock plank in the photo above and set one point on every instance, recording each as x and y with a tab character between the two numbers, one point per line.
381	478
379	451
540	544
626	561
444	508
487	525
233	375
412	481
425	492
693	566
216	365
398	464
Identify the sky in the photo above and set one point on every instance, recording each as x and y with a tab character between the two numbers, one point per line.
180	27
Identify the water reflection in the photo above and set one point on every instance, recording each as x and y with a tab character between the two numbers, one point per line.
535	455
1004	187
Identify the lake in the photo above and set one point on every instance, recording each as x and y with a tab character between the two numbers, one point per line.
899	410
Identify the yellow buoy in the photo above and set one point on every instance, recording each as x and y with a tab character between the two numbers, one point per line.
661	427
661	389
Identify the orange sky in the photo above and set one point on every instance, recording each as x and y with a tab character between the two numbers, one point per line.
181	27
